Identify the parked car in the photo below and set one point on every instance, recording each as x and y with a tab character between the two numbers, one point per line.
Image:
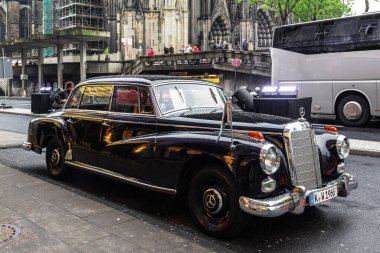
166	134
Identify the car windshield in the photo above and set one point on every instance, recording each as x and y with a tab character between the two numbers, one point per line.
174	97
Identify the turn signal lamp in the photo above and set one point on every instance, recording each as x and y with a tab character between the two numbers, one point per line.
256	135
331	129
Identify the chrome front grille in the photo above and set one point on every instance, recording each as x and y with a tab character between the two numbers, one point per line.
302	155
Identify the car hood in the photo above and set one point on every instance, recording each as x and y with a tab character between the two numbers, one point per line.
240	120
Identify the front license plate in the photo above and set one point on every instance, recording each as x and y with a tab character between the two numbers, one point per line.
323	195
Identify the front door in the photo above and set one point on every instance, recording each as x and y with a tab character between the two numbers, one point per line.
129	133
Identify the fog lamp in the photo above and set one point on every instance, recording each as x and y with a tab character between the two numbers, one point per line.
268	185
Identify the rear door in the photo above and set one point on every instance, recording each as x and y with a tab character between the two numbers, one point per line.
129	133
85	122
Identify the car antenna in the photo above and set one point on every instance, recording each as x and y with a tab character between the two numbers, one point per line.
227	119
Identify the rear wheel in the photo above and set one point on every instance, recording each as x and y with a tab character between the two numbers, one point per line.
213	200
353	110
55	155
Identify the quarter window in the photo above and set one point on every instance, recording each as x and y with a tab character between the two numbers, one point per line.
96	98
75	98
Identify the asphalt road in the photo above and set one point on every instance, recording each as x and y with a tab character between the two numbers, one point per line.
341	225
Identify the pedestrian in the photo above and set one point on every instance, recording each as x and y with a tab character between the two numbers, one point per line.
195	49
107	58
171	49
151	52
250	45
166	50
61	97
245	45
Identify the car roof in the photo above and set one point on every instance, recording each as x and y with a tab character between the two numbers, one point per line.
141	79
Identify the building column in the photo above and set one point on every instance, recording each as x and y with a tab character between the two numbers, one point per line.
23	73
60	65
40	67
83	60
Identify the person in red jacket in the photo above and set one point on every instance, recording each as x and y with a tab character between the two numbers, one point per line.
151	52
196	50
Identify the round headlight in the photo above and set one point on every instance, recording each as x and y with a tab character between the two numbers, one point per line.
342	146
269	159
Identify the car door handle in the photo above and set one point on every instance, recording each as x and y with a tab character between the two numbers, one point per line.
106	124
71	121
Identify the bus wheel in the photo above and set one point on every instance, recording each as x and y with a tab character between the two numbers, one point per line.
353	110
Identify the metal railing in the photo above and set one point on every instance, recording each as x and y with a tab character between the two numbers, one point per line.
250	60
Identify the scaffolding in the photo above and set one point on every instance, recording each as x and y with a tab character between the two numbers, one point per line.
86	14
83	14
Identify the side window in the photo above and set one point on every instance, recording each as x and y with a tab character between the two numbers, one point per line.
75	98
125	99
132	99
96	98
146	105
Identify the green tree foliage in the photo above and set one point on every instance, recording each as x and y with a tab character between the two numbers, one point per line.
305	10
311	10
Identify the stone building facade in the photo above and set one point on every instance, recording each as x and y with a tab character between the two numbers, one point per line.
136	26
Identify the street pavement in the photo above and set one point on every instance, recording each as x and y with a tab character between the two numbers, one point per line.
57	218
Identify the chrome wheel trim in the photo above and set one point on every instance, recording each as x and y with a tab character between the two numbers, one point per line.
352	110
212	201
55	158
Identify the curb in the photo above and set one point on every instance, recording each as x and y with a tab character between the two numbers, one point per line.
23	114
363	152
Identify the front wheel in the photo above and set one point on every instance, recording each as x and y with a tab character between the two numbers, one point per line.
353	110
213	201
55	155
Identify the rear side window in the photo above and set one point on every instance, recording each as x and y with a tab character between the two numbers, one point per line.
96	98
132	99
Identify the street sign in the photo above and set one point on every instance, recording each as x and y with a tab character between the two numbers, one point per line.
236	62
6	71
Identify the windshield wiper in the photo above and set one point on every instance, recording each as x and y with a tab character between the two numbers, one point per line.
183	100
213	96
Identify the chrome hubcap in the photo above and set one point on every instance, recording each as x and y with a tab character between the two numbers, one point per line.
212	201
352	110
55	157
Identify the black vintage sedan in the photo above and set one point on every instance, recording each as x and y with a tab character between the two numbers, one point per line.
167	134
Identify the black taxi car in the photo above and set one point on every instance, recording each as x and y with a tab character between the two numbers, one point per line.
166	134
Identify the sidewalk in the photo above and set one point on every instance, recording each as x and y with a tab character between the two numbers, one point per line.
51	218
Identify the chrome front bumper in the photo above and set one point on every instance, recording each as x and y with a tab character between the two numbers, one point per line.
27	146
295	201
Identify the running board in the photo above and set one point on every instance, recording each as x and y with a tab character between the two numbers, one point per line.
129	180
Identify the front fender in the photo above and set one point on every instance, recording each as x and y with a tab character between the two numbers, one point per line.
328	156
175	151
42	129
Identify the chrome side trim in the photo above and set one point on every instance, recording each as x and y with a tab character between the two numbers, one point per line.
294	201
129	180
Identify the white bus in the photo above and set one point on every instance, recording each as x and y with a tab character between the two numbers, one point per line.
336	62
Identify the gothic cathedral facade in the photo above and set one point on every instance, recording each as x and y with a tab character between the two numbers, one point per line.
156	24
